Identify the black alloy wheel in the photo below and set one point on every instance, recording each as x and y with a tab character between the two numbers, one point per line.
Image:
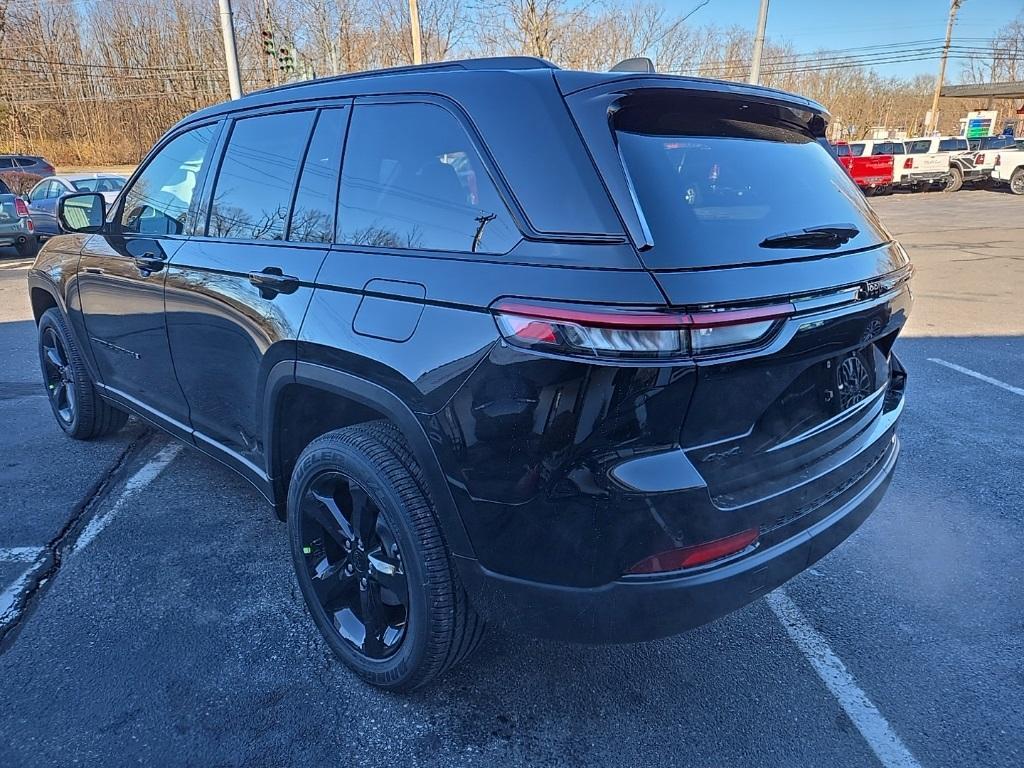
77	406
371	559
354	562
59	376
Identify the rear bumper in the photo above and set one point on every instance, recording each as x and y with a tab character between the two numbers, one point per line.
634	609
932	177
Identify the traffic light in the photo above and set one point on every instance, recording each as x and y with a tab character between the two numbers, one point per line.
286	60
269	46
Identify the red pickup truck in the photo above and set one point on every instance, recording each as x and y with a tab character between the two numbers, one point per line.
872	173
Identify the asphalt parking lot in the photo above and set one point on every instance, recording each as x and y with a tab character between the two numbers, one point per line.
151	614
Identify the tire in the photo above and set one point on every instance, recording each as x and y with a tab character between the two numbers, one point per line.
1017	181
955	181
78	408
28	249
361	473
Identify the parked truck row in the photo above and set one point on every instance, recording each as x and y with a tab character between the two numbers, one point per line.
935	162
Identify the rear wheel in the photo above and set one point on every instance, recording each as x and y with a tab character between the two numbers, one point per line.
1017	182
78	408
371	560
28	249
955	180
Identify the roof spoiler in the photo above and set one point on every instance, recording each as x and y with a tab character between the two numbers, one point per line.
636	64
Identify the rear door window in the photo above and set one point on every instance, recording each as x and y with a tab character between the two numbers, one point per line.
857	150
920	147
253	194
712	196
312	218
412	178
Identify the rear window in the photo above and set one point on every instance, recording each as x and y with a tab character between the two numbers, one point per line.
856	150
102	184
953	145
8	211
712	199
920	147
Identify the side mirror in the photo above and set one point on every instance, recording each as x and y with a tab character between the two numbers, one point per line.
83	212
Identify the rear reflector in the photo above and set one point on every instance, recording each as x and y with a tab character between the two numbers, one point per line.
979	159
623	332
699	554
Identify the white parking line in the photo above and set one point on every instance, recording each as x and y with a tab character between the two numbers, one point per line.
9	597
143	477
19	554
979	376
875	729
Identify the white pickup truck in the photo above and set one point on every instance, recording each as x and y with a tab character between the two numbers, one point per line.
1008	168
952	153
908	170
986	150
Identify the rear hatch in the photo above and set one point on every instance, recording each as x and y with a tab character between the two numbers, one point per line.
734	202
10	220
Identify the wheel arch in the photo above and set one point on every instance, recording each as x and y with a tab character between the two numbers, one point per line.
43	296
338	399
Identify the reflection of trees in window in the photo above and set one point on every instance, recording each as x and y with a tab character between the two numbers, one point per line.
231	221
310	225
382	237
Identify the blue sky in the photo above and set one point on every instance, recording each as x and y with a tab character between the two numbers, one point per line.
811	25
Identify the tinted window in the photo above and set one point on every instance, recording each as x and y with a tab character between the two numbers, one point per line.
317	198
842	150
920	147
6	162
712	200
856	150
882	148
952	145
412	179
898	148
158	201
102	184
253	193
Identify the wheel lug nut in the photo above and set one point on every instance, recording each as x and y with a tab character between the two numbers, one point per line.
363	582
349	569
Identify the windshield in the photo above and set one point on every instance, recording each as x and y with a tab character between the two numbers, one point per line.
711	200
101	184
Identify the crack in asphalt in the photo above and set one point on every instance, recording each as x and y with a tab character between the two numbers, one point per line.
45	568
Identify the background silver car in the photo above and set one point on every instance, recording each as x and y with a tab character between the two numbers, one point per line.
42	200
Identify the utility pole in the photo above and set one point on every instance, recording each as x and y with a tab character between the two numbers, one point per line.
414	22
755	63
227	27
933	117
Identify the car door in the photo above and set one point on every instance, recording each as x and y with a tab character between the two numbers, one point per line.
121	277
237	293
42	206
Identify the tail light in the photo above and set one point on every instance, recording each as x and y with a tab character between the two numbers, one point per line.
908	163
631	333
699	554
999	160
20	207
979	158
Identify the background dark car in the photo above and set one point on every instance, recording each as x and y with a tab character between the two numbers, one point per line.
591	356
32	164
16	226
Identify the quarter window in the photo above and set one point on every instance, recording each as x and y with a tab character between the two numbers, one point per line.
253	193
317	198
159	200
412	178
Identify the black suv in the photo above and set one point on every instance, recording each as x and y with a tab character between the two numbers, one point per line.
594	356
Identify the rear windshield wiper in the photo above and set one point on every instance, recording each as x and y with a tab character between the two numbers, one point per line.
829	236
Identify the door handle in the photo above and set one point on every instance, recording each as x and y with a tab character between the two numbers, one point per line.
150	262
272	281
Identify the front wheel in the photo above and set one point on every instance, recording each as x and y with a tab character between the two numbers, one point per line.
371	560
1017	182
78	408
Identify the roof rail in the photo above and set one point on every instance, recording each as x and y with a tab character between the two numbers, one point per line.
491	63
